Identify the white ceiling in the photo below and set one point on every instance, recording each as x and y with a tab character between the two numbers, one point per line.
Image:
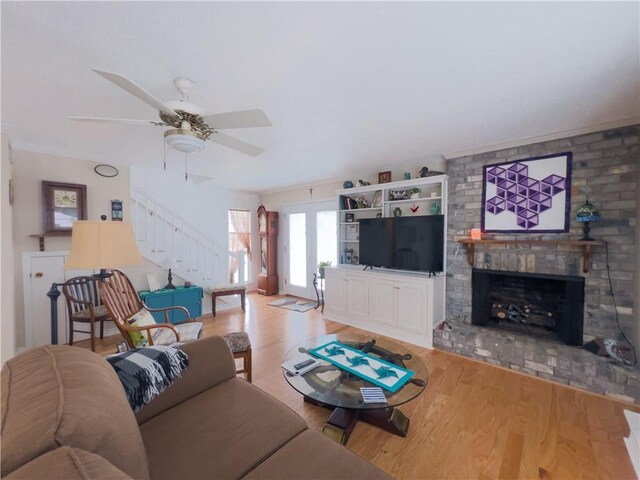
349	87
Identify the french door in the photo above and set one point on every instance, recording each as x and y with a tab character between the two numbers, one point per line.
310	238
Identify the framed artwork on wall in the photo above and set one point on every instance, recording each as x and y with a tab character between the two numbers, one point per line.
527	196
62	204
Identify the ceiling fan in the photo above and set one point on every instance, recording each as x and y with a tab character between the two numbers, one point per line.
191	129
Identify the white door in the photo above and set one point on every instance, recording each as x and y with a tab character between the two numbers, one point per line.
41	269
310	237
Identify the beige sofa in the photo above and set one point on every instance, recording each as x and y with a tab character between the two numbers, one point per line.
65	416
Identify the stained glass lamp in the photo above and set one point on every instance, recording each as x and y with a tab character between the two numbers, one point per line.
585	214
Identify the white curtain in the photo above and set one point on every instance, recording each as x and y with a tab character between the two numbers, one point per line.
240	239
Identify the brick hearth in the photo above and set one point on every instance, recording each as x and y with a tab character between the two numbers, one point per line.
605	167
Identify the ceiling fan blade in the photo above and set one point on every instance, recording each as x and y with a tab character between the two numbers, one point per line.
240	119
116	120
135	90
236	144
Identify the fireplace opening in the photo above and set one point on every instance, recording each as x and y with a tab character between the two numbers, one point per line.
532	304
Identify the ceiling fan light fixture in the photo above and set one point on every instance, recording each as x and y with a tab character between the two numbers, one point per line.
185	141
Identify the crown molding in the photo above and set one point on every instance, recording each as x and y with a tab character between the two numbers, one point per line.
61	152
545	138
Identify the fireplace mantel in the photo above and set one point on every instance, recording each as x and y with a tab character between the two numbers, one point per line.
584	244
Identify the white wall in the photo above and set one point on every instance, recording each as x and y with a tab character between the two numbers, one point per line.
276	200
7	298
635	335
30	169
204	206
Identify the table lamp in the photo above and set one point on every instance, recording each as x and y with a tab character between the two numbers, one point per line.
585	214
102	245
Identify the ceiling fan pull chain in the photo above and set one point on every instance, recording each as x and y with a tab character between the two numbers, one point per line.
186	177
164	150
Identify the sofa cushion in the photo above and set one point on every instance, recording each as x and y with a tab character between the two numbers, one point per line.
66	396
312	455
220	433
66	463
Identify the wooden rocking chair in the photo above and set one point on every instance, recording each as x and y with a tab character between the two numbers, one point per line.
122	302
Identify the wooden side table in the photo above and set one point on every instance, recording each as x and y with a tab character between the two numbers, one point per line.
229	290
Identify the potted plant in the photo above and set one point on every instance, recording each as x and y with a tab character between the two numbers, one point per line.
414	192
322	265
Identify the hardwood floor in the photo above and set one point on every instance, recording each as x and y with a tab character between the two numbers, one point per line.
473	420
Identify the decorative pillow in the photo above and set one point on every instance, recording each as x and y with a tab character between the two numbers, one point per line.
141	319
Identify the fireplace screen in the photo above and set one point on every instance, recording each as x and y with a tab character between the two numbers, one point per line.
532	304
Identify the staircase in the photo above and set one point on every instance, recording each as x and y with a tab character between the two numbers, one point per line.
162	235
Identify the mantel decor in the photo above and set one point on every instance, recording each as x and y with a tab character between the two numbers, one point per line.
62	204
527	196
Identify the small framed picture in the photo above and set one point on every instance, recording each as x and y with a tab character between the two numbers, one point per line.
350	217
384	177
122	347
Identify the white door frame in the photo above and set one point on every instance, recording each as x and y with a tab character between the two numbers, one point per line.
310	208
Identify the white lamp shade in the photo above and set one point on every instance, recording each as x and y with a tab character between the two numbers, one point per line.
98	245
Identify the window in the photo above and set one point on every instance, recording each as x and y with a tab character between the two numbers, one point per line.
240	244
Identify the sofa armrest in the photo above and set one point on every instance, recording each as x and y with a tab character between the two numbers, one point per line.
210	363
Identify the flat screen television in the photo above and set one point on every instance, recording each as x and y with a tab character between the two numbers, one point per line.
403	243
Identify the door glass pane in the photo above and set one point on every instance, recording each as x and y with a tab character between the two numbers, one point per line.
327	234
298	249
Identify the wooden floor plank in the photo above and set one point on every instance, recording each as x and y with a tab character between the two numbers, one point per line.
473	420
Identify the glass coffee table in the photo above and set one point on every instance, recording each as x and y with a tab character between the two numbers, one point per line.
331	387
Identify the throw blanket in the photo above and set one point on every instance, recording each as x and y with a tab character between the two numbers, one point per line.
146	372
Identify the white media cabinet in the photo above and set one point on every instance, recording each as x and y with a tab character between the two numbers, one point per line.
400	305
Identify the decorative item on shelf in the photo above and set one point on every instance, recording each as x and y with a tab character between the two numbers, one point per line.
187	284
397	212
414	192
322	265
116	210
362	183
424	171
587	213
350	217
414	208
397	194
356	260
362	202
407	175
347	184
384	177
62	204
348	255
377	199
378	215
476	234
435	208
169	263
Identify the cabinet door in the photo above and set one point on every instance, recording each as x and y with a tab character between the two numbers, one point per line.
160	300
191	299
382	301
357	297
335	292
412	308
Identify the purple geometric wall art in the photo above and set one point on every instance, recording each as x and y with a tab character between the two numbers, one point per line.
527	196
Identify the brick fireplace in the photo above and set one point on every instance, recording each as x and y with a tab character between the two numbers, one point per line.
605	168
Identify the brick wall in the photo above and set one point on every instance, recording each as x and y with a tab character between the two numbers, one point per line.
605	168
